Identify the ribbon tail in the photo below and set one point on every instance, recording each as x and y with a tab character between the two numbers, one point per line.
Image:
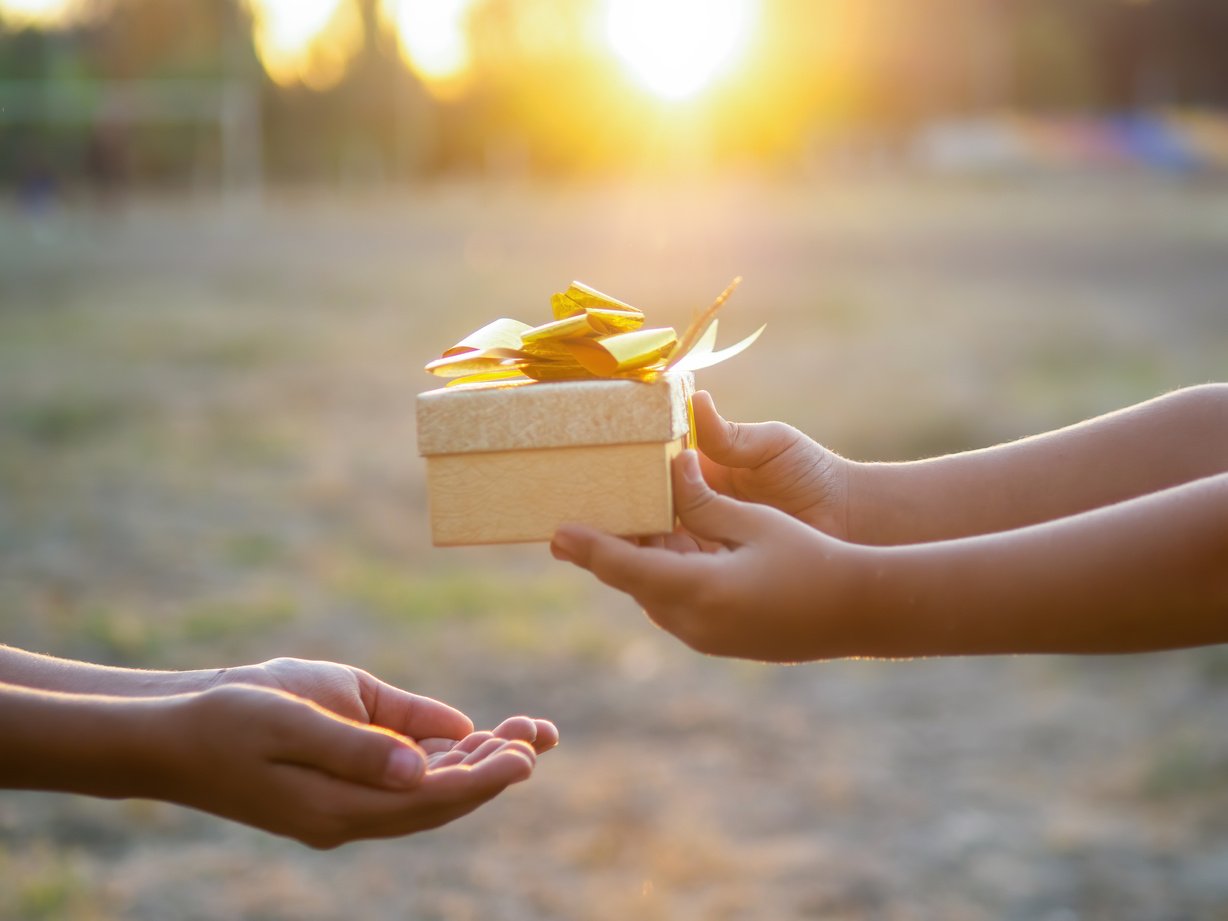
695	362
704	346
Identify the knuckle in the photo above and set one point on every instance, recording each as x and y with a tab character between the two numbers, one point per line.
696	499
733	433
780	434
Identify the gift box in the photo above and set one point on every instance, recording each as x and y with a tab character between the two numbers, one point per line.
575	420
511	462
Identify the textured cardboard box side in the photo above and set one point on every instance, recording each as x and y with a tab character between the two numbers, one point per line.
509	464
467	420
513	496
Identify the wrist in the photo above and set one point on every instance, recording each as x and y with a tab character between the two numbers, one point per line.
847	619
883	613
865	628
864	506
77	743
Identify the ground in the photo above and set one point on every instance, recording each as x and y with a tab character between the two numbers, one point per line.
206	420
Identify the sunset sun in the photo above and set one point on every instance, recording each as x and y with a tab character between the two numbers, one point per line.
677	47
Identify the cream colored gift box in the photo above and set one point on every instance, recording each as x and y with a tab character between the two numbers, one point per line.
508	463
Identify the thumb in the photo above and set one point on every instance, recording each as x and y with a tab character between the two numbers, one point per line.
738	444
706	513
351	751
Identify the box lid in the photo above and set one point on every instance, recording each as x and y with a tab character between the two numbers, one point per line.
508	417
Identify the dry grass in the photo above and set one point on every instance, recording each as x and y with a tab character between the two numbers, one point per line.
208	456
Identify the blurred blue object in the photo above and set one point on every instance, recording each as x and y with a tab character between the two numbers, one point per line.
1156	143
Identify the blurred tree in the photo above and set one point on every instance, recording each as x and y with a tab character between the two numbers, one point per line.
546	94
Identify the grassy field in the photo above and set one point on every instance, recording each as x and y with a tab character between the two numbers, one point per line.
208	457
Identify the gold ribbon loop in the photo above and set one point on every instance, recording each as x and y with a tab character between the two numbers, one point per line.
500	334
592	336
625	352
585	297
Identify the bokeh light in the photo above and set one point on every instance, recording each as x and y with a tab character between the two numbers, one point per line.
36	12
677	47
433	40
307	41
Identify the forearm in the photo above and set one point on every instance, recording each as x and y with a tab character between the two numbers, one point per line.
1173	439
48	673
79	743
1150	573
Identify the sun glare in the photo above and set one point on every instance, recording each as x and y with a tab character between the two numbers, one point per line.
308	41
36	12
433	39
677	47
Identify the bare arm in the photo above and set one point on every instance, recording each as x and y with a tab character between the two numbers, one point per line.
1145	574
265	757
320	751
1173	439
75	743
742	579
49	673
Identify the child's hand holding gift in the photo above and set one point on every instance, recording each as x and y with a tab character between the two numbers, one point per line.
774	464
1106	536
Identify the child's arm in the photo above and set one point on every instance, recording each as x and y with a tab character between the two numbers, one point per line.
260	756
319	751
1167	441
747	580
50	673
342	689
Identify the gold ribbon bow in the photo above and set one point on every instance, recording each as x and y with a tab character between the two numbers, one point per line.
592	336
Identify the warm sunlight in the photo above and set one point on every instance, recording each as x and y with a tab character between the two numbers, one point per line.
308	41
39	12
677	47
433	39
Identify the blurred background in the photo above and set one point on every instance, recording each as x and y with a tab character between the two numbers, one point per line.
232	233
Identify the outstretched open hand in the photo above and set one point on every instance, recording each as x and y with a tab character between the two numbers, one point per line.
327	753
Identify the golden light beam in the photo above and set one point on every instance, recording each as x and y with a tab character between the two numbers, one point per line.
433	40
678	47
38	12
306	41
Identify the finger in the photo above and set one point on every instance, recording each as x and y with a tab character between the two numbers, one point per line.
681	541
517	727
414	715
454	792
707	514
311	736
445	759
489	747
348	812
547	736
473	740
718	476
456	752
651	575
486	750
516	746
738	444
716	436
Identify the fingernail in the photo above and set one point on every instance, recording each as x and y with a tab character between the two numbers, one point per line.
563	546
404	767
